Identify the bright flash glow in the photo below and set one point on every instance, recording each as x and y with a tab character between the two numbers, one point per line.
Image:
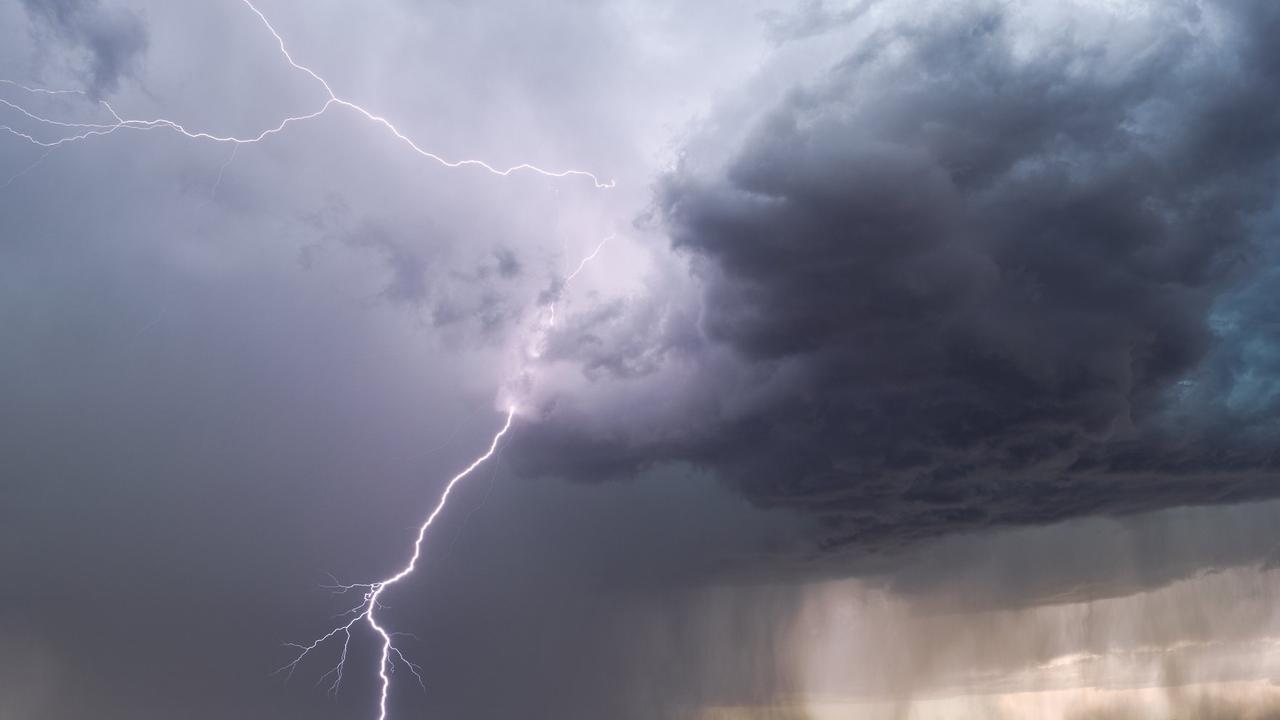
84	131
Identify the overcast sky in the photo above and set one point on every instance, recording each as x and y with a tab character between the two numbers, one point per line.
934	354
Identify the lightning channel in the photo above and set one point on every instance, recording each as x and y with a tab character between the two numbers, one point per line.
370	594
551	306
83	131
366	610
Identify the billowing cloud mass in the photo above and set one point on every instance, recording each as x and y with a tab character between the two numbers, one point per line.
995	266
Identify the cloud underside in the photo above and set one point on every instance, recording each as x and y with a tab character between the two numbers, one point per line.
962	284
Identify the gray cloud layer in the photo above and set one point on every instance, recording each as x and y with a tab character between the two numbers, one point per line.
978	285
111	39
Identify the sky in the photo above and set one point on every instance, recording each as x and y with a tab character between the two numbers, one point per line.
924	361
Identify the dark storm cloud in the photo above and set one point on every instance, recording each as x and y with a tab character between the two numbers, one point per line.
112	39
1084	559
981	281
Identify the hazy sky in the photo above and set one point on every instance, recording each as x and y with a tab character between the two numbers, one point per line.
932	368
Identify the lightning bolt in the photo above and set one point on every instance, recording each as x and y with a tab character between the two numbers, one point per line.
551	306
366	611
85	131
371	593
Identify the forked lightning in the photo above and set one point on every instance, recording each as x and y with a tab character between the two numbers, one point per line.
372	592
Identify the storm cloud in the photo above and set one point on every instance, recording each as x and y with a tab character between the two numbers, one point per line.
110	40
975	275
882	274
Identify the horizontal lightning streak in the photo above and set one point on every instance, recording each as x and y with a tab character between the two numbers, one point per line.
41	91
91	130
